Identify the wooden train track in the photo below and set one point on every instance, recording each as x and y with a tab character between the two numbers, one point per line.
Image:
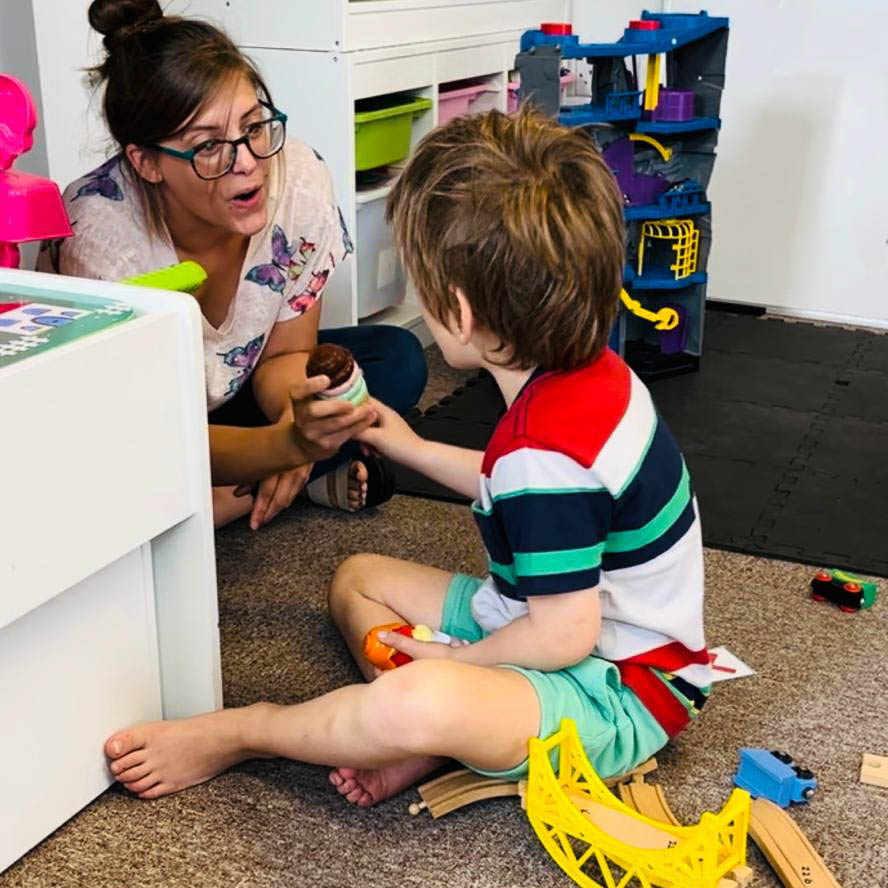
778	836
464	787
787	848
647	799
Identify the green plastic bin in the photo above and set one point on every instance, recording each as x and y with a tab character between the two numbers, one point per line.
382	130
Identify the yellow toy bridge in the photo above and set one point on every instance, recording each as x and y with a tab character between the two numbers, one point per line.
585	827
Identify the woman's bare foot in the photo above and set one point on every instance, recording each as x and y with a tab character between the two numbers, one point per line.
367	787
357	485
160	758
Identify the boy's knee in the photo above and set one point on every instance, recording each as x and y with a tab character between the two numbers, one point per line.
417	701
351	579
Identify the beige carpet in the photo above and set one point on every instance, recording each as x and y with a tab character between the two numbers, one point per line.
819	693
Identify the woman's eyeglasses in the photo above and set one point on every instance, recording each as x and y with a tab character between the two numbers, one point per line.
215	157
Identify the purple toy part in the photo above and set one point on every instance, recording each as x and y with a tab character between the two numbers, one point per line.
31	207
674	341
639	189
674	104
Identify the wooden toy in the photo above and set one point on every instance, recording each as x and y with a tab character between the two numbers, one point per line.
464	787
874	769
787	848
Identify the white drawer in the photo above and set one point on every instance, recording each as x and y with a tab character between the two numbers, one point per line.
72	672
374	77
476	61
91	446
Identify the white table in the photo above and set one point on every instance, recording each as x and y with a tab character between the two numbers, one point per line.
108	611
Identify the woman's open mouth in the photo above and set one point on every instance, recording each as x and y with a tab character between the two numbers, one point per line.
247	199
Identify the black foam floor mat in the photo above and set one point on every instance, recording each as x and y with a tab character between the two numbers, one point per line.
785	431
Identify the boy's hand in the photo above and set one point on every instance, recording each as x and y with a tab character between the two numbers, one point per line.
391	436
422	650
319	428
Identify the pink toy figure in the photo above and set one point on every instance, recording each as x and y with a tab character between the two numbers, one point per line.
31	207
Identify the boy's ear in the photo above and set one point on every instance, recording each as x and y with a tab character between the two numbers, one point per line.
144	162
465	323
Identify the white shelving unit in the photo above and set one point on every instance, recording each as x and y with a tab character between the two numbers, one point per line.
108	612
319	59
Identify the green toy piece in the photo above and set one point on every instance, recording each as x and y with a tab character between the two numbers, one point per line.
869	589
849	592
185	277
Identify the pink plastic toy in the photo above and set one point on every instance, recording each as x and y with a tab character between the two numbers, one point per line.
31	207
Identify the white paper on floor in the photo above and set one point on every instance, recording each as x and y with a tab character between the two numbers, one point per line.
726	666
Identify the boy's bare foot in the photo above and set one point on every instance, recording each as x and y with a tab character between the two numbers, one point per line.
159	758
367	787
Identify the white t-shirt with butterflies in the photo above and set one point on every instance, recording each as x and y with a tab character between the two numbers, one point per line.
285	271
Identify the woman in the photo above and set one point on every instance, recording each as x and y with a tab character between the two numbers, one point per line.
205	172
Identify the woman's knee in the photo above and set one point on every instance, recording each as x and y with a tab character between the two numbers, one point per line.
408	370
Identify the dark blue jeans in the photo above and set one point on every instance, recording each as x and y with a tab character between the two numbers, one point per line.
394	367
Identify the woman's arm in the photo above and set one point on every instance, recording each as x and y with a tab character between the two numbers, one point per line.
283	361
243	456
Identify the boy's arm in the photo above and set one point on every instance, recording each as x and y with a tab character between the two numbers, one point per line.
558	631
455	467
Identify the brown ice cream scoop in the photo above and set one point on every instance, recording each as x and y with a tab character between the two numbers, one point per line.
330	360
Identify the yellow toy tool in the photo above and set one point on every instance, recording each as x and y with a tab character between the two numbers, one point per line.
585	827
664	319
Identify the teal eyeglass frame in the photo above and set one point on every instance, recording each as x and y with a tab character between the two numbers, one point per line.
191	153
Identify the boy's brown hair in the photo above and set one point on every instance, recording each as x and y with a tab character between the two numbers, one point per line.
524	217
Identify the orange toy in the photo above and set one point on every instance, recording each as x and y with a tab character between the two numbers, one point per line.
384	656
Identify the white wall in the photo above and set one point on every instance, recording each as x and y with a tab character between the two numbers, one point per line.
47	44
603	21
799	193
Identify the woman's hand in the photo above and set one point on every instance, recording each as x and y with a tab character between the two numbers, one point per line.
391	436
274	494
319	428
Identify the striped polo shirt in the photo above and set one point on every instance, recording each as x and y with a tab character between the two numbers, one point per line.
582	485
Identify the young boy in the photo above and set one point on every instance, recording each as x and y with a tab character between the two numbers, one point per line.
511	228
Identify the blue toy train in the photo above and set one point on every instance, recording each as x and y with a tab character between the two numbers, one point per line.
772	775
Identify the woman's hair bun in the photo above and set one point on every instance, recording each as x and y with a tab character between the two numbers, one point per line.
114	17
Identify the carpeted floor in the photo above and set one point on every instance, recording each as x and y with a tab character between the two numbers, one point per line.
818	694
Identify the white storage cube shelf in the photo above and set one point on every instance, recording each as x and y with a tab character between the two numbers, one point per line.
108	612
350	25
320	58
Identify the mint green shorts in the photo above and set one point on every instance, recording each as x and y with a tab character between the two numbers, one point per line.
616	730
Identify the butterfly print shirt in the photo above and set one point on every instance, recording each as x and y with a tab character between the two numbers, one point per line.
285	271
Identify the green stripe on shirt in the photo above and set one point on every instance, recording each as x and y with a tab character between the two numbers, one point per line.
629	540
543	564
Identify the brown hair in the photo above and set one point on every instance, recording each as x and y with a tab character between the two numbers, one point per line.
523	216
160	71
